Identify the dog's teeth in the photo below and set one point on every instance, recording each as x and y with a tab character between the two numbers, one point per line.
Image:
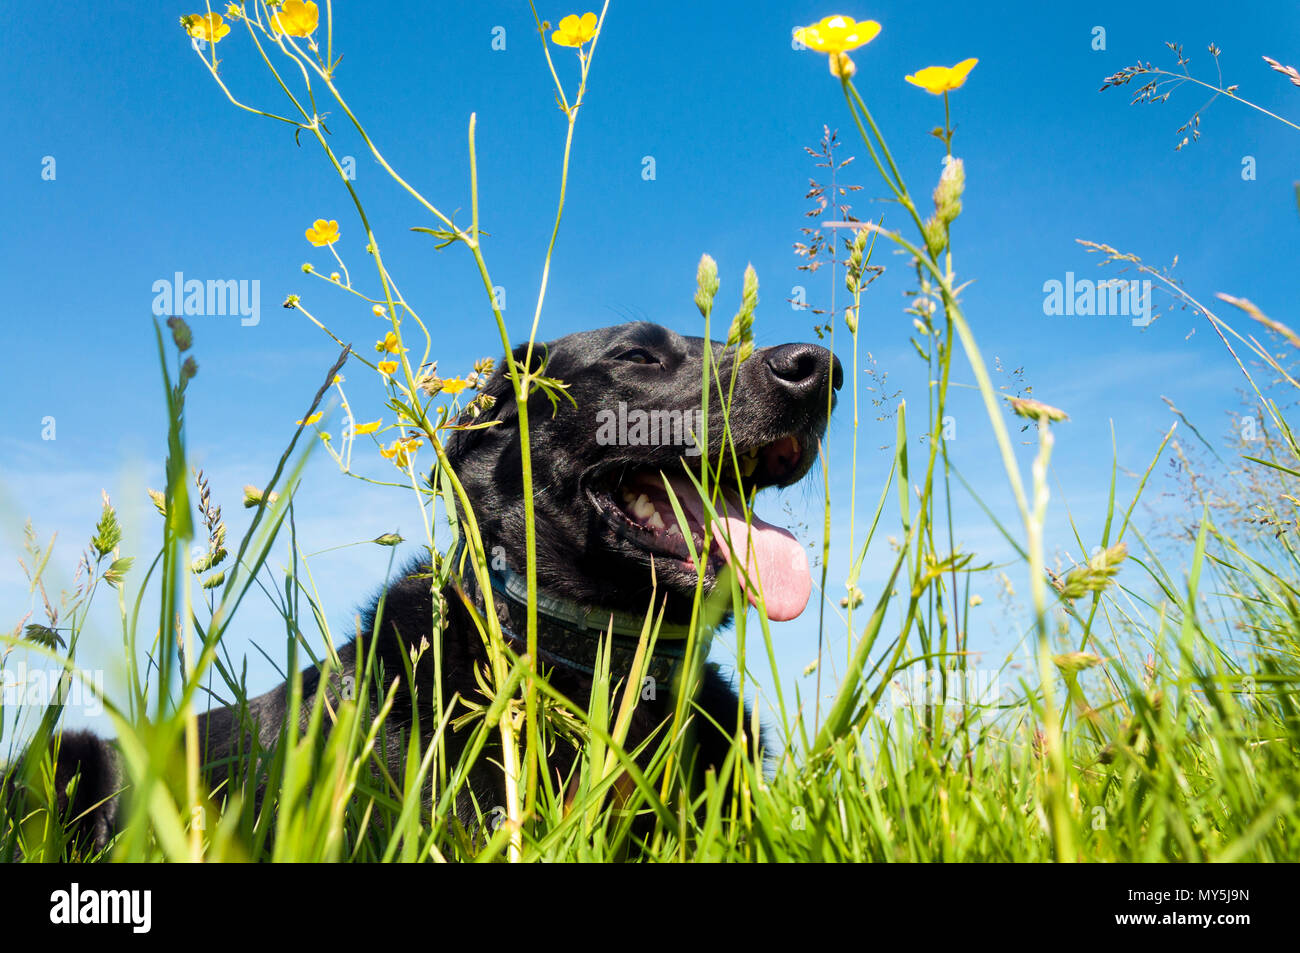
642	507
655	521
748	464
795	442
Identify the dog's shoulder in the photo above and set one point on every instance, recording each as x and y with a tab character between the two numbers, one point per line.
404	602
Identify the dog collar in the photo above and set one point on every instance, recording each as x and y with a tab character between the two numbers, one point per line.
569	634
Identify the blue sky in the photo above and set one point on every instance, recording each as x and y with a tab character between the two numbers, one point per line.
156	173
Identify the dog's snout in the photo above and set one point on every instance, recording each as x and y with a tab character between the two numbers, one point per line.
803	369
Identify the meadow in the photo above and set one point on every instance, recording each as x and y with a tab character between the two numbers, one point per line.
1159	721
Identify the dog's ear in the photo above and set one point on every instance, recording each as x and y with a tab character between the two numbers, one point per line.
501	393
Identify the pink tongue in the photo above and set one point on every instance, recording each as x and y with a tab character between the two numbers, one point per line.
774	555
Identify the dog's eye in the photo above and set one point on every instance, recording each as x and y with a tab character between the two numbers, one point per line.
638	355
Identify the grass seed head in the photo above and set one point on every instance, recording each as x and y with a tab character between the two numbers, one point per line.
706	284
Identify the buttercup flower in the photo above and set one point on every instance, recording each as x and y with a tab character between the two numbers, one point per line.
387	367
400	451
205	26
942	79
312	419
323	232
575	30
296	18
454	385
390	344
362	429
837	34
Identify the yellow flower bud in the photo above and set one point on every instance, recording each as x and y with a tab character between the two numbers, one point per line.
842	66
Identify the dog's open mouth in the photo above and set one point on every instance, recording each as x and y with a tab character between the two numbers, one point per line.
636	500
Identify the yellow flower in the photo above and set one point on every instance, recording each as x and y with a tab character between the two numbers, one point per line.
454	385
837	34
401	451
575	30
323	232
205	26
390	344
296	18
362	429
942	79
387	367
312	419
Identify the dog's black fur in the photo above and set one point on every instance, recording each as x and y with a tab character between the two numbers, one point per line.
585	554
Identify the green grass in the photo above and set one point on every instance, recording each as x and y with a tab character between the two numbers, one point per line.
1156	719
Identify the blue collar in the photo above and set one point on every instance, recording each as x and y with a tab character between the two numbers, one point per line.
569	633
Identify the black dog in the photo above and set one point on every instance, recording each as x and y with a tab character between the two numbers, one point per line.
608	543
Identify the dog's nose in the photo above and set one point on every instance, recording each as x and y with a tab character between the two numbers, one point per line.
803	369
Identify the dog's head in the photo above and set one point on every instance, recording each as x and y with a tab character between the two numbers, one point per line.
606	529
